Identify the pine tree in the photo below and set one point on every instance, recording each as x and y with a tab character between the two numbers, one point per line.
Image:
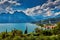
26	30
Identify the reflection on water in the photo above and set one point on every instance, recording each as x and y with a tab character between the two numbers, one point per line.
19	26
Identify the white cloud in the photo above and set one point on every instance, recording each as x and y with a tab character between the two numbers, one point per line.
57	13
2	1
14	2
6	6
57	7
10	10
32	11
45	9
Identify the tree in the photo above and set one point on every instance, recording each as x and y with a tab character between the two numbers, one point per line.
40	24
56	30
47	33
26	31
17	38
38	31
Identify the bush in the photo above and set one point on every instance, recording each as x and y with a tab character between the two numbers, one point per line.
17	38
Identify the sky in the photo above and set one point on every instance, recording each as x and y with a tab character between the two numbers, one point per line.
31	7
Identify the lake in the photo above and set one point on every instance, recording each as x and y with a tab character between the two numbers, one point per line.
19	26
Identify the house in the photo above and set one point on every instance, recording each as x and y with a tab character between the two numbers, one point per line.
50	26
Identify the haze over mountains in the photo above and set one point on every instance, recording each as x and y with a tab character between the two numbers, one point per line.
21	17
17	17
50	20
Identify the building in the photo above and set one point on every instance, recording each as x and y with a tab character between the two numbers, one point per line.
49	26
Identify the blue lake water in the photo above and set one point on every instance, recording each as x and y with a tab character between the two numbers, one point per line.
19	26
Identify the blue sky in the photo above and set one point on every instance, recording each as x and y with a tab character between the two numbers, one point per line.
32	8
31	3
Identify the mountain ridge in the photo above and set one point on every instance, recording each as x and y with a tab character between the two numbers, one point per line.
16	17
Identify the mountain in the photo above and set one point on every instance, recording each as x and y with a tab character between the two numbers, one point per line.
21	17
57	16
51	20
16	17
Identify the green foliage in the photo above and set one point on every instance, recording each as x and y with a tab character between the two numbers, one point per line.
38	34
58	24
17	38
40	25
56	30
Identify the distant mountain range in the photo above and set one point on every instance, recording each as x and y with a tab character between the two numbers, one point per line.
51	20
16	17
21	17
